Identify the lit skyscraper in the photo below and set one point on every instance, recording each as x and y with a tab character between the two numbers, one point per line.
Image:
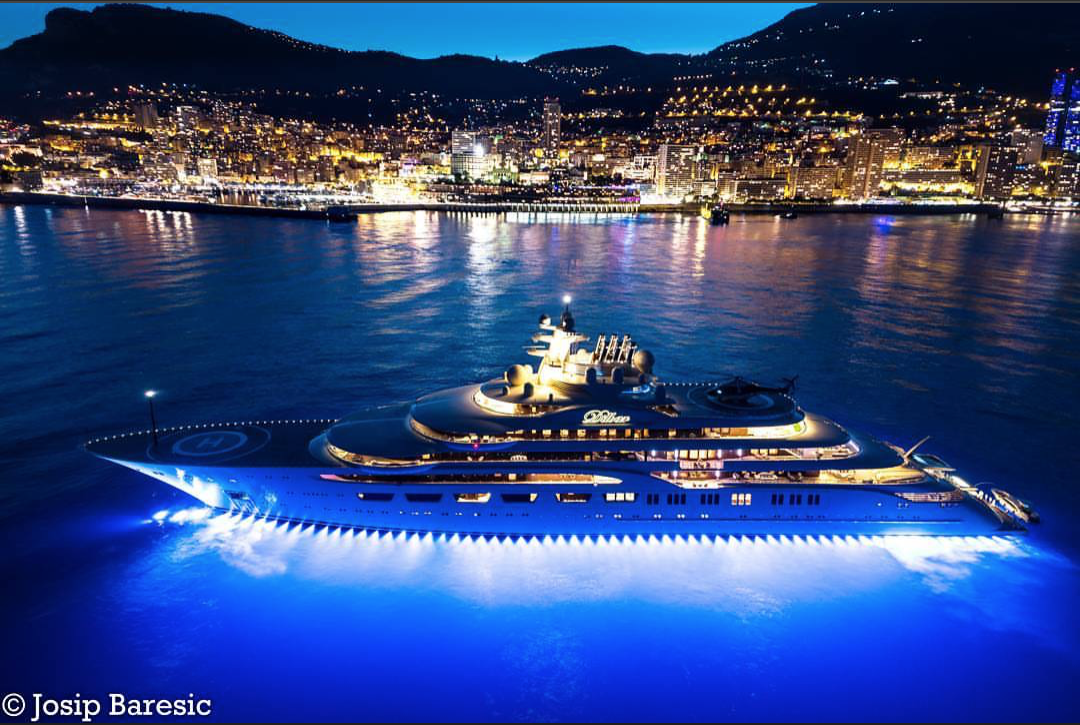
995	171
552	125
1063	118
676	170
865	163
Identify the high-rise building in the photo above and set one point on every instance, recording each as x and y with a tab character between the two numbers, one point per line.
813	182
867	158
186	120
892	145
676	170
469	154
146	115
995	169
1067	178
1030	145
1063	118
865	163
552	126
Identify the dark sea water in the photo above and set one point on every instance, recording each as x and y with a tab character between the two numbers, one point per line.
960	328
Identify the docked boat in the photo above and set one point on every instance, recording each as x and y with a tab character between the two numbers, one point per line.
716	214
588	441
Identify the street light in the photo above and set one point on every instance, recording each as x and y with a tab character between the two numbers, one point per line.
153	421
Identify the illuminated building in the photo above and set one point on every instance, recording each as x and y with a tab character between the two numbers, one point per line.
186	119
1029	144
552	126
995	170
207	168
814	182
676	170
641	168
761	188
590	442
1063	118
867	159
146	115
1067	178
469	157
929	157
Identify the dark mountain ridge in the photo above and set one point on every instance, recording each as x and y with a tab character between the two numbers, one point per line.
134	44
1007	46
1004	46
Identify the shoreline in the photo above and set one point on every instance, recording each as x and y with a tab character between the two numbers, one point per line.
351	212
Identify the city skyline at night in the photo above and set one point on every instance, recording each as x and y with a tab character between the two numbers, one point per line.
595	129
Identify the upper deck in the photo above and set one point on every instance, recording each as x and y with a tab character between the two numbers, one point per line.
579	400
602	390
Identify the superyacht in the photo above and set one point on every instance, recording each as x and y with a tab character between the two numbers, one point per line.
586	441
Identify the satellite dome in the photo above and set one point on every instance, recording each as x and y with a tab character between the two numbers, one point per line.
518	374
644	361
545	319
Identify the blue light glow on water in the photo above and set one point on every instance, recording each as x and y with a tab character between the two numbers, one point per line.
955	327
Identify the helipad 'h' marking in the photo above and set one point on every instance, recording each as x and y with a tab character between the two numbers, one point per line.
211	442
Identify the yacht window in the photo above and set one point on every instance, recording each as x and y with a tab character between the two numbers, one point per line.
573	497
518	497
472	497
374	496
740	499
423	497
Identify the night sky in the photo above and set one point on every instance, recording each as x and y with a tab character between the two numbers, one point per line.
509	31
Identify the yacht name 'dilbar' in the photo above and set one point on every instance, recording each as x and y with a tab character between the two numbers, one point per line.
604	417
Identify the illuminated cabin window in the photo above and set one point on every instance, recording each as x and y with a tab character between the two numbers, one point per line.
932	496
358	458
519	497
740	499
573	497
470	478
375	496
620	497
472	497
769	432
423	497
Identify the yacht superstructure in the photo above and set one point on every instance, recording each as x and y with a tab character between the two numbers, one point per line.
589	441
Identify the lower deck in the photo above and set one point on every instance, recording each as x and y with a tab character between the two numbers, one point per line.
635	504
